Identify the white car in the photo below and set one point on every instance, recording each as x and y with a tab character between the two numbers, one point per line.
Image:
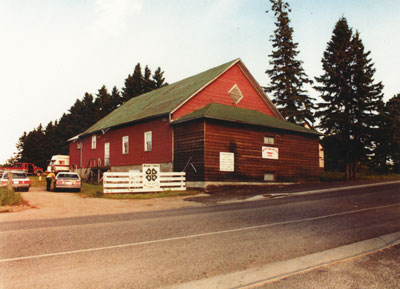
67	180
20	181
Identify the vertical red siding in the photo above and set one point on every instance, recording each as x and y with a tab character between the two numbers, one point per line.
74	154
217	92
161	145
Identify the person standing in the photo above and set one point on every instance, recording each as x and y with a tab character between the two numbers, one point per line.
49	179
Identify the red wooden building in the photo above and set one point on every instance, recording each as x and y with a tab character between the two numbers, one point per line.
218	126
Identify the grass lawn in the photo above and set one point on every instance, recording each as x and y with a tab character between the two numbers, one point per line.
10	197
339	176
96	191
36	183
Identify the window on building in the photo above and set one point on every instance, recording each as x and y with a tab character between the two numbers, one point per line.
269	140
94	142
125	145
147	141
269	177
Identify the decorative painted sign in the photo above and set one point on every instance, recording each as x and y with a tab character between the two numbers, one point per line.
270	153
151	176
226	162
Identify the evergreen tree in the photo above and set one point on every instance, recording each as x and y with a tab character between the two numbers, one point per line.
287	76
158	78
138	83
387	149
116	98
103	102
40	144
33	151
133	84
148	84
351	99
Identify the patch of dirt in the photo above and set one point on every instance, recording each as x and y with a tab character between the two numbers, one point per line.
48	205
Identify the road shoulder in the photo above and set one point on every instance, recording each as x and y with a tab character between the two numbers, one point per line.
275	271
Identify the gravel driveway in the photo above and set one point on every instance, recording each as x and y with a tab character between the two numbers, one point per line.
48	205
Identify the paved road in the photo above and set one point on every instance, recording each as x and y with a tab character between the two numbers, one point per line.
380	270
155	249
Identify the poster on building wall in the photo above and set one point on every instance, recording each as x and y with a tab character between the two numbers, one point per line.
270	153
226	162
151	176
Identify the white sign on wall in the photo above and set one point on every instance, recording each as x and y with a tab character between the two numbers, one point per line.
151	176
226	162
270	153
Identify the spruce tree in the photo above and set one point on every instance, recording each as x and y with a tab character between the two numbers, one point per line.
133	84
116	98
103	102
287	76
387	149
39	145
148	84
158	78
139	83
351	99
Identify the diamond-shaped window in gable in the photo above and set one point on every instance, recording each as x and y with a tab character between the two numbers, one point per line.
235	94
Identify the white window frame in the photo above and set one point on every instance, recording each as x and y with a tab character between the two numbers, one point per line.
148	141
94	140
270	140
125	145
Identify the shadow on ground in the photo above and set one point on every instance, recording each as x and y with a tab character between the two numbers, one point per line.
231	193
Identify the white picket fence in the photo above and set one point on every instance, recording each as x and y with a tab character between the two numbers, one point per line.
132	182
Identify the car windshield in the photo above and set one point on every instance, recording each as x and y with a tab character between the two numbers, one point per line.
15	175
68	176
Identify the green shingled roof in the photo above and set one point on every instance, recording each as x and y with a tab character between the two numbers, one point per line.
242	115
158	102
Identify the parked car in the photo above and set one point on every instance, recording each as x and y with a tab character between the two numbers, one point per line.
67	181
20	181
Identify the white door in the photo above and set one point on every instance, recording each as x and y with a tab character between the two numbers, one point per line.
106	154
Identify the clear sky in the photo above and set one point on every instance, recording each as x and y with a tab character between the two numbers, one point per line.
53	51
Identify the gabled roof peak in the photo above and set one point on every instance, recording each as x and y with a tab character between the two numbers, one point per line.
161	101
166	100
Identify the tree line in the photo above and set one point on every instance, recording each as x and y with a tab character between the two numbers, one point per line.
359	128
38	145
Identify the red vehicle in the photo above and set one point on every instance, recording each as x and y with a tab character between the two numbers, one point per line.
28	168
